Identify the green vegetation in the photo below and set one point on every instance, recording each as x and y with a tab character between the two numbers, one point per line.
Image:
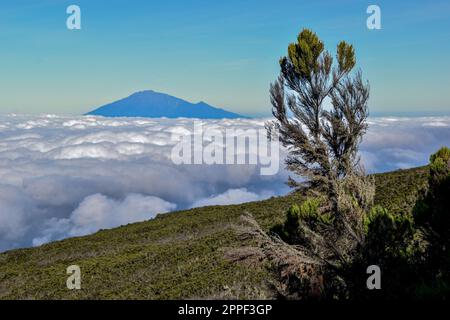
409	245
175	256
432	215
401	188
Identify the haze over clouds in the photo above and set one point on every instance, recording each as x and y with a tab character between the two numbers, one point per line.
70	176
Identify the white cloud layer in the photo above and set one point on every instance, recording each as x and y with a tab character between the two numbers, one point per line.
399	143
97	212
232	196
68	176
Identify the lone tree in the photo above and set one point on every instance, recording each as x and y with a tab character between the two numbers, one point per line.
320	111
322	141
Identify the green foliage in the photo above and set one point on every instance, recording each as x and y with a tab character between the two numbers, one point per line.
307	213
291	226
440	168
345	56
387	235
412	248
432	213
399	190
305	53
390	243
443	153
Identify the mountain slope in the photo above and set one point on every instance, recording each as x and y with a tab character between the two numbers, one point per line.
155	105
178	255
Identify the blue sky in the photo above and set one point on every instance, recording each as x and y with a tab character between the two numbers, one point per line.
222	52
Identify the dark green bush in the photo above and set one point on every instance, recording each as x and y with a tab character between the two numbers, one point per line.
390	243
306	214
388	234
432	214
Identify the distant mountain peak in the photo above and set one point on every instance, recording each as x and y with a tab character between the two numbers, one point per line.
152	104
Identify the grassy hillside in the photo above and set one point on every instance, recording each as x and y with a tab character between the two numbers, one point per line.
175	256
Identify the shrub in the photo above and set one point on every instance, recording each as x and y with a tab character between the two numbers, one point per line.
432	213
390	243
306	214
443	153
387	235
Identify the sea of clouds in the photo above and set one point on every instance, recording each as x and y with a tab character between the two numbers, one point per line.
63	176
